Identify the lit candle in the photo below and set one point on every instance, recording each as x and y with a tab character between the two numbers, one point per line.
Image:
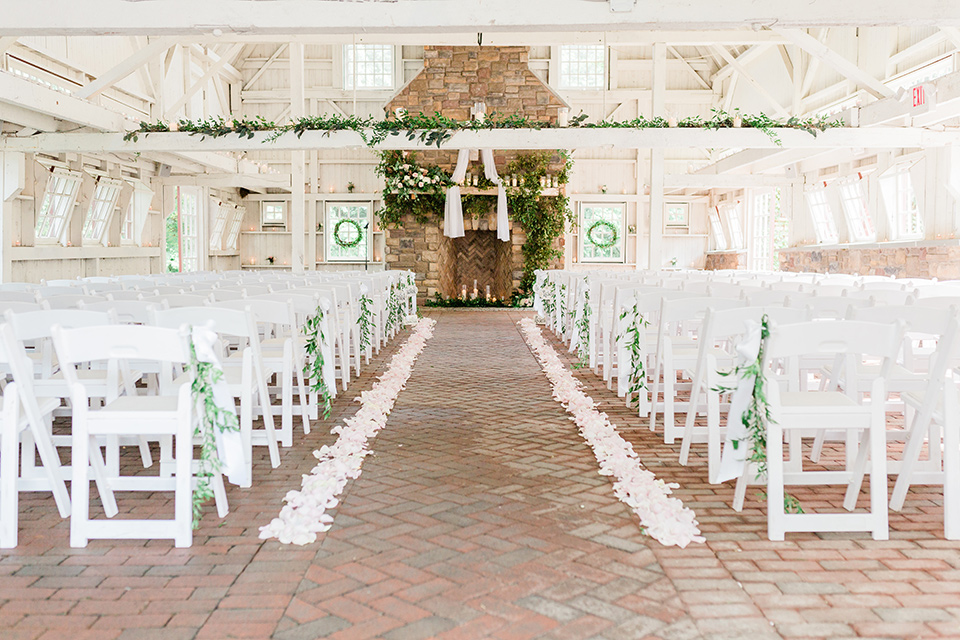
463	293
488	293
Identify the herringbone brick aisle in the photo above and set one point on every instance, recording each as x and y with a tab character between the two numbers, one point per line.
482	515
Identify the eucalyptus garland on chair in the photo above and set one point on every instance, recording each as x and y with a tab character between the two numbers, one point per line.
548	297
205	376
637	373
756	416
365	320
394	308
583	334
314	368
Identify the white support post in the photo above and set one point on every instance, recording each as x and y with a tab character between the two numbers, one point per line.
12	182
298	160
657	94
656	209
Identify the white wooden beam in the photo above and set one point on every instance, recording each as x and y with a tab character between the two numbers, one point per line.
688	67
22	93
723	181
745	57
211	71
266	65
120	71
746	75
212	57
572	138
251	181
830	57
298	178
186	17
6	42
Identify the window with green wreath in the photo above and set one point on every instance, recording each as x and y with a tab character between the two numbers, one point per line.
601	232
346	233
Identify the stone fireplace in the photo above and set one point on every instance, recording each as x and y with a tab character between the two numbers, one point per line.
453	79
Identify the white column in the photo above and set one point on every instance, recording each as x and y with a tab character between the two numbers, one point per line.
657	94
12	182
297	164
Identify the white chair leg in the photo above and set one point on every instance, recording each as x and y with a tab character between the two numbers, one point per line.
9	493
183	492
776	526
80	502
878	478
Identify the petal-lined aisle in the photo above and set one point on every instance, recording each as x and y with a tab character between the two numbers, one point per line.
481	514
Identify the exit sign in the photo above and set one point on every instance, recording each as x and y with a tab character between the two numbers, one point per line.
919	96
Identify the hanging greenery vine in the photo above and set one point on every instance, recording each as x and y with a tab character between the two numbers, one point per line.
205	376
314	369
757	415
394	309
637	373
365	320
583	334
410	188
434	130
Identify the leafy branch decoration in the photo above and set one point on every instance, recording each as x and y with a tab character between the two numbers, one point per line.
637	374
314	368
757	414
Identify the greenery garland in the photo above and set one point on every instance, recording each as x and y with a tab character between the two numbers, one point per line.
205	376
757	415
365	320
583	334
636	372
614	235
314	368
548	295
434	130
347	244
394	309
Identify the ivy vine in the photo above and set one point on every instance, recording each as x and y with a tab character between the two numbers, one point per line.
757	415
205	376
314	368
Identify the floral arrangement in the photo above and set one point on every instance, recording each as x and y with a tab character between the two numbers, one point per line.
662	516
410	187
305	513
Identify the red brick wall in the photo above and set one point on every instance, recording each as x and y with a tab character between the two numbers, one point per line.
933	261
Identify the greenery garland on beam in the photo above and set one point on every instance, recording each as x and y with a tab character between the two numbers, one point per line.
434	130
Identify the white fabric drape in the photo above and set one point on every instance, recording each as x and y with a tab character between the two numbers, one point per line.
737	445
453	210
490	171
229	443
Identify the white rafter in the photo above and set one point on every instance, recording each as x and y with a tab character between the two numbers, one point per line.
125	68
830	57
746	75
211	71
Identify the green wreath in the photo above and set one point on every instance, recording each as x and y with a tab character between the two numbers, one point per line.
600	244
346	244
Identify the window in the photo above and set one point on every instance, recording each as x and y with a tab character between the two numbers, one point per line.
219	223
823	222
273	214
583	66
233	231
900	201
735	225
716	231
370	64
760	250
346	236
187	212
854	202
926	73
601	228
58	200
138	210
101	209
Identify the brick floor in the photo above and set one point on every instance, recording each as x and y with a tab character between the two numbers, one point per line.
481	515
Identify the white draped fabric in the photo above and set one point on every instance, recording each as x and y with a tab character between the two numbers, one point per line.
453	209
229	443
734	458
490	171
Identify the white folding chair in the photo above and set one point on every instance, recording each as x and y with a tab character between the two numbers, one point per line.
129	414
